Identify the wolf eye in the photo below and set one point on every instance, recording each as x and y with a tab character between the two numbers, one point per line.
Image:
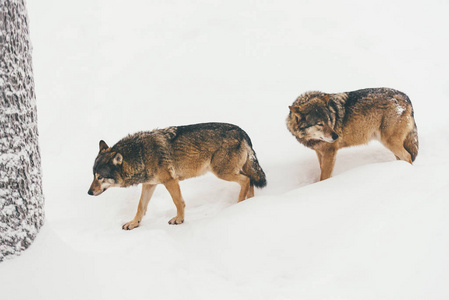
99	177
319	125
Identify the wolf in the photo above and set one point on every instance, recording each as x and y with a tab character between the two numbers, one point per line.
328	122
167	156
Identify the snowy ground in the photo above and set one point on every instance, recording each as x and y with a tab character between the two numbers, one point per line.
378	229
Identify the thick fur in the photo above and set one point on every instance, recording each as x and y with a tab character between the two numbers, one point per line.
167	156
328	122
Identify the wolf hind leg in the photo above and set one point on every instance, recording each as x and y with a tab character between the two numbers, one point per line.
402	140
397	147
227	164
147	192
400	152
241	179
411	143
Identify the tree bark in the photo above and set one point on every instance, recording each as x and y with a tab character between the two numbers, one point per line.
21	197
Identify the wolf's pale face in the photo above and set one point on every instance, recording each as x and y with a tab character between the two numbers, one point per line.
320	131
313	122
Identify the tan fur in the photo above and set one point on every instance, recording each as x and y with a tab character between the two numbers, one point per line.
329	122
167	156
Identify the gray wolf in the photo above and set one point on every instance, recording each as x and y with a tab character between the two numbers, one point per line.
167	156
327	122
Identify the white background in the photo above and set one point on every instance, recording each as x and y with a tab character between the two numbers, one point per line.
378	229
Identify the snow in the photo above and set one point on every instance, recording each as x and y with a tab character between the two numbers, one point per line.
399	108
378	229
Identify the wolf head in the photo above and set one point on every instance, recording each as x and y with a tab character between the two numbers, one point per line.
313	121
106	169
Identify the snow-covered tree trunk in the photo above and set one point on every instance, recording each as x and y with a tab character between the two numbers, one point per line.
21	198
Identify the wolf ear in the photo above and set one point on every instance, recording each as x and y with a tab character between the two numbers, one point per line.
296	112
118	159
294	109
103	146
326	98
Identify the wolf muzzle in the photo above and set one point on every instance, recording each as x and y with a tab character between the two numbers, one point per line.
95	189
330	139
95	193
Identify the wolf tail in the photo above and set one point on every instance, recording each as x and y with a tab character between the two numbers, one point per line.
411	143
254	171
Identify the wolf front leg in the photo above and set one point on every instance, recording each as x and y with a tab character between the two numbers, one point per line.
147	192
327	162
173	188
318	154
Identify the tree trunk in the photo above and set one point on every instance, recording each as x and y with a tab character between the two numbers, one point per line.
21	198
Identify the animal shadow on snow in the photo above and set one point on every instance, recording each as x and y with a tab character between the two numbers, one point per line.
304	169
359	156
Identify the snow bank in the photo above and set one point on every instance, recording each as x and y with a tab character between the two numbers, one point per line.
376	232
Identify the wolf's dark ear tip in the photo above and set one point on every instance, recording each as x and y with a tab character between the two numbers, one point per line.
103	145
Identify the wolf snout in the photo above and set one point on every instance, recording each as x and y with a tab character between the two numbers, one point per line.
334	136
96	193
330	138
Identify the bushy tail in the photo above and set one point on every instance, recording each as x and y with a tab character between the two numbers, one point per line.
254	171
411	143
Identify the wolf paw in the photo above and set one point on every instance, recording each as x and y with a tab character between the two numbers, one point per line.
176	221
130	225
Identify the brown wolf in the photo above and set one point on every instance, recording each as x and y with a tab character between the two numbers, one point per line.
173	154
328	122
